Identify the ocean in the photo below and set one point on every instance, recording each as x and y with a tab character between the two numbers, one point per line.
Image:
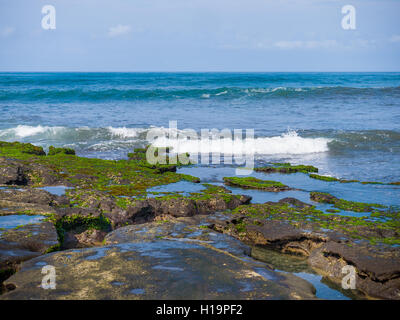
346	124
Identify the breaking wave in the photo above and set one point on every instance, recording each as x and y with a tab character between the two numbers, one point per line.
111	138
288	143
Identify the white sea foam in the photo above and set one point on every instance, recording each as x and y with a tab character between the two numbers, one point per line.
288	143
22	131
124	132
114	138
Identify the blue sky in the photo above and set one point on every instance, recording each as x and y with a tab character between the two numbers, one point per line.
200	35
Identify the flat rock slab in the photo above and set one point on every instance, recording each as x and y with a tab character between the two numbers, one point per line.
17	245
33	200
180	229
12	172
158	261
382	264
377	268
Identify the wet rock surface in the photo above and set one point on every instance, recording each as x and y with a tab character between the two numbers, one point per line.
148	210
377	266
24	243
12	172
120	244
377	271
87	238
31	196
158	260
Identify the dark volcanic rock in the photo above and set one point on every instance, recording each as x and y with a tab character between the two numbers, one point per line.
328	251
17	172
29	195
47	175
88	238
147	210
12	172
32	239
27	242
30	201
171	168
295	202
377	269
323	197
279	235
77	211
174	260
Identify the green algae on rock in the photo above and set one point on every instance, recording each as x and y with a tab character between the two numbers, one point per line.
367	228
333	179
18	148
118	177
53	151
286	168
328	240
254	183
324	197
323	178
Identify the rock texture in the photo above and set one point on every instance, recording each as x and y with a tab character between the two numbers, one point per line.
21	244
377	271
377	266
164	260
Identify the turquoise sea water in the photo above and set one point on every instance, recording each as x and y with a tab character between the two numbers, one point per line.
347	124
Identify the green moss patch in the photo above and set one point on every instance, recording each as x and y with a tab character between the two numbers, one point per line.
323	178
79	223
117	177
20	150
53	151
333	179
286	168
254	183
384	227
210	192
342	204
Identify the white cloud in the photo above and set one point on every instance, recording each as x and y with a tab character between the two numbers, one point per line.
118	30
363	43
7	31
395	38
305	44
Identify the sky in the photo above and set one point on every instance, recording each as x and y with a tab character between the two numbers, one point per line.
200	35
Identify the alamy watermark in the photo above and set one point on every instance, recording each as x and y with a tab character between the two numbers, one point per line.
49	280
349	20
49	20
349	280
173	146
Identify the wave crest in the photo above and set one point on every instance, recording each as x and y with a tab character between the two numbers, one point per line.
111	138
288	143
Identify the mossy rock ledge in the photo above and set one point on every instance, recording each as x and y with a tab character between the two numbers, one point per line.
157	260
286	168
328	241
254	183
100	196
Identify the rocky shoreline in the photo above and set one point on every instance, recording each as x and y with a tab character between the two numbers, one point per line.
106	233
